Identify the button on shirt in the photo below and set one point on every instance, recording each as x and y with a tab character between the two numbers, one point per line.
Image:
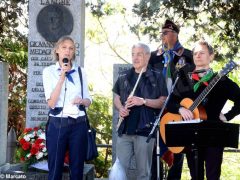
51	75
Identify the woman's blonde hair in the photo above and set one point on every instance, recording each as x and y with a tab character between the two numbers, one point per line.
60	41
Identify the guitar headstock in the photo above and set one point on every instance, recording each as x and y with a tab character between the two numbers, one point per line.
228	67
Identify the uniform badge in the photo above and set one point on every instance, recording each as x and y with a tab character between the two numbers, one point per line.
181	62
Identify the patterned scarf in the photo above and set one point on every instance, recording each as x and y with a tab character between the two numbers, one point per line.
203	80
68	75
168	55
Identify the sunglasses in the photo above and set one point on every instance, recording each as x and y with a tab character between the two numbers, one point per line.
164	33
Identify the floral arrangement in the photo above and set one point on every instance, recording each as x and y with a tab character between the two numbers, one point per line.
32	146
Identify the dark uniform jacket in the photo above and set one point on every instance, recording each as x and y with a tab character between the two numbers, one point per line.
182	56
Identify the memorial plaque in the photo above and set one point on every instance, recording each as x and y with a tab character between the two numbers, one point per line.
54	21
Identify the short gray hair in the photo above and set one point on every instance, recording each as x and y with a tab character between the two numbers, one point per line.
142	45
60	41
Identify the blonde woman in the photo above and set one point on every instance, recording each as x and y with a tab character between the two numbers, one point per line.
67	128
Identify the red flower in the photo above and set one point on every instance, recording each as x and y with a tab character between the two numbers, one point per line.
31	150
35	128
38	141
22	141
34	149
27	130
26	146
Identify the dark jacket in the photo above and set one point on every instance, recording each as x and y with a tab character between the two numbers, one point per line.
182	57
151	86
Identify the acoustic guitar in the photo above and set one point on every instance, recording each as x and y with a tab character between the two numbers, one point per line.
198	113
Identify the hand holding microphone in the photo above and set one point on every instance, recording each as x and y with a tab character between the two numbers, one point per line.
65	68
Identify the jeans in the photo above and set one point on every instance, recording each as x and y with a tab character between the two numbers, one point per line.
62	135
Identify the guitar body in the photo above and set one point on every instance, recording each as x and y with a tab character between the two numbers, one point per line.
171	117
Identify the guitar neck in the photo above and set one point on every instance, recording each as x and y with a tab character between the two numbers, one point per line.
205	92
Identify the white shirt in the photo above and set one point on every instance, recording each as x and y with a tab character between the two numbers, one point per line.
51	75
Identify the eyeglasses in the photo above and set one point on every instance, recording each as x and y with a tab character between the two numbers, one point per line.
164	33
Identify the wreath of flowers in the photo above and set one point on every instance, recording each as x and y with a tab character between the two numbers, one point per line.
32	146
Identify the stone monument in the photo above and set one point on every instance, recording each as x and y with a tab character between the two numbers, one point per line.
3	111
48	21
117	69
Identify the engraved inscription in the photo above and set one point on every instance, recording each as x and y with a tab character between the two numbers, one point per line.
41	44
37	101
43	63
62	2
40	51
39	118
37	90
37	107
42	113
39	84
42	95
37	73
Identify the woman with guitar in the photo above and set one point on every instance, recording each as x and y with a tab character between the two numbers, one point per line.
209	90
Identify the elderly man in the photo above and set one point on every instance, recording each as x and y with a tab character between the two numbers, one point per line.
169	58
172	55
138	110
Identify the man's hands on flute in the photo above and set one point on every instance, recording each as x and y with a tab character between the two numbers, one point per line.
134	101
123	112
131	101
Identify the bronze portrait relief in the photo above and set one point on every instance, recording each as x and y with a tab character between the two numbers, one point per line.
54	21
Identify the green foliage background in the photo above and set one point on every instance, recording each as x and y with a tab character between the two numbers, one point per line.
100	116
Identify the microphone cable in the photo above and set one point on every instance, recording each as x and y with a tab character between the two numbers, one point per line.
59	131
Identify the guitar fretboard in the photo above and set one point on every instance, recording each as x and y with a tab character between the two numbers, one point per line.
205	92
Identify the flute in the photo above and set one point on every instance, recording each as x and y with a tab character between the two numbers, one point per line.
130	95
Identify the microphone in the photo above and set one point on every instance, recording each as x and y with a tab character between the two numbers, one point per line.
65	61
